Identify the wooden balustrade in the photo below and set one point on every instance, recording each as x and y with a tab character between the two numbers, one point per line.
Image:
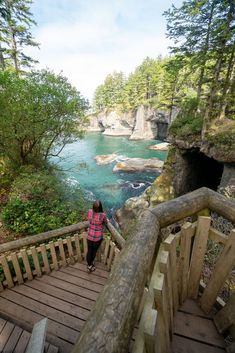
124	291
25	264
176	276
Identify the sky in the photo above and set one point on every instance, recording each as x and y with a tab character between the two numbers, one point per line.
88	39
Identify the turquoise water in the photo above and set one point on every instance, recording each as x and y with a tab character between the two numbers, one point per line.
98	181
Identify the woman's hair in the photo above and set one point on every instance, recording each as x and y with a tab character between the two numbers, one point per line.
97	206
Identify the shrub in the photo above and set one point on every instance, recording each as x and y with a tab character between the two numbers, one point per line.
41	202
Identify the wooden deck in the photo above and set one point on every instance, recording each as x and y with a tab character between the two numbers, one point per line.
195	332
65	297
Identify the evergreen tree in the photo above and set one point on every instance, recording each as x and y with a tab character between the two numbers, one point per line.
15	23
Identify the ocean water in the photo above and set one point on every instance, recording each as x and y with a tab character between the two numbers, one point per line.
98	181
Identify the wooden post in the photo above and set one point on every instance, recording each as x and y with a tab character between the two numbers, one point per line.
187	231
53	255
170	245
222	269
25	259
35	261
198	253
160	302
45	258
111	255
165	269
78	249
84	238
14	259
37	340
62	253
106	250
70	249
7	271
226	316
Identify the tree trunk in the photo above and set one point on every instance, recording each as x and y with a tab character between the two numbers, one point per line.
227	84
14	50
2	60
205	50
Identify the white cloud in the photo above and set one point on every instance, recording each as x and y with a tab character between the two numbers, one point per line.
109	38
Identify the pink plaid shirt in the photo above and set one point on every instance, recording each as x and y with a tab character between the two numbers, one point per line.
96	225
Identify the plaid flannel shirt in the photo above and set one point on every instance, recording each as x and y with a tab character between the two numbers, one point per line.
96	225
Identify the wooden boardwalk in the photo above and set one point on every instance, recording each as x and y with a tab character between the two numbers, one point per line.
65	297
194	331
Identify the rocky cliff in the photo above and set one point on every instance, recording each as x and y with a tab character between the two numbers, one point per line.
144	123
194	160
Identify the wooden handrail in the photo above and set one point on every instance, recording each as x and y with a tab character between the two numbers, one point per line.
116	308
42	237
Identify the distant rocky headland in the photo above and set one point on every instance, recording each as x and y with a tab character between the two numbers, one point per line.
143	123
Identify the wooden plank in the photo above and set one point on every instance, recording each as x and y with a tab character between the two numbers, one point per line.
160	302
43	309
62	294
7	271
13	339
217	236
111	255
70	287
198	253
62	253
197	328
35	261
190	306
70	249
185	345
25	259
82	282
187	231
56	303
100	271
52	349
78	249
149	330
47	268
231	348
222	269
22	343
61	335
37	339
2	324
15	262
170	245
81	274
165	269
53	255
226	316
5	334
106	250
84	239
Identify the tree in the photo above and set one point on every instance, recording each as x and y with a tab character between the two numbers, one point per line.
15	23
40	113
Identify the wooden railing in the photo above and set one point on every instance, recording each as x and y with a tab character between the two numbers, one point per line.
26	263
111	324
177	276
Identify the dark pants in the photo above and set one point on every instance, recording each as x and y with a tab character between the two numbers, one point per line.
93	246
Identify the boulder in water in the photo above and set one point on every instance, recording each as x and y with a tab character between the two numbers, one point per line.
139	165
106	158
160	147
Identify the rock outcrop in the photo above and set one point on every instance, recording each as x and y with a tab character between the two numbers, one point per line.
144	123
106	158
164	146
139	165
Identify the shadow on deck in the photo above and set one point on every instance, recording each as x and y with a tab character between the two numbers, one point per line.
65	297
194	331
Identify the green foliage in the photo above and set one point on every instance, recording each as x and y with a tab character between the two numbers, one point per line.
40	113
189	121
224	140
41	202
15	23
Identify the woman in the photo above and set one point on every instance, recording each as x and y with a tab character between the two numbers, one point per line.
97	219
